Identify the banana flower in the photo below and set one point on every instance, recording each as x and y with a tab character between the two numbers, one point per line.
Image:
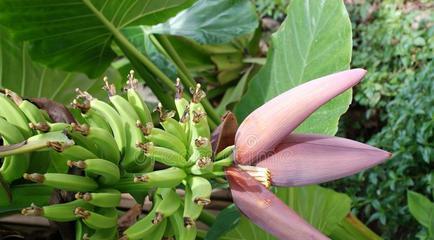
268	153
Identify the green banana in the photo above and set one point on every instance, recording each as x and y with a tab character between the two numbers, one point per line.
10	111
77	152
200	190
63	212
133	158
49	127
32	112
228	151
163	138
55	140
5	194
169	233
191	209
103	219
175	128
110	115
94	119
163	155
105	143
13	166
78	134
136	100
181	104
40	195
180	229
127	184
82	230
165	178
102	198
141	228
219	165
202	166
103	234
105	172
168	204
62	181
159	230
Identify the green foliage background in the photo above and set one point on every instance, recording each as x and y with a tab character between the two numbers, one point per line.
392	108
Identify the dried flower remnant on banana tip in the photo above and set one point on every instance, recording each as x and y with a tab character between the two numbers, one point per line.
268	153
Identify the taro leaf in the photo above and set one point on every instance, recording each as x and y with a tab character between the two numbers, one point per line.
314	40
212	22
140	37
29	79
76	35
225	221
321	207
352	228
421	208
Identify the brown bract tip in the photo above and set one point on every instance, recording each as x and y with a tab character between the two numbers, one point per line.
78	164
198	115
13	96
189	223
33	210
204	162
146	147
202	201
158	218
109	88
34	177
164	114
201	142
179	89
146	129
197	93
132	82
185	116
83	129
144	178
81	212
40	126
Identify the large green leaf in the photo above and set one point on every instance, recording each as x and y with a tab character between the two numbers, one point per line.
321	207
76	35
421	208
314	40
212	22
19	73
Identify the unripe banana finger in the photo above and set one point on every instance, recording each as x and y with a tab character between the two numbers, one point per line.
166	178
163	155
136	100
10	111
168	204
201	190
106	218
105	172
162	138
67	182
103	198
57	212
55	140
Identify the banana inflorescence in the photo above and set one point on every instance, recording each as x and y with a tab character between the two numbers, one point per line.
113	147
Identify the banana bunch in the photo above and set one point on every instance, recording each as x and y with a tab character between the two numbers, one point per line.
114	145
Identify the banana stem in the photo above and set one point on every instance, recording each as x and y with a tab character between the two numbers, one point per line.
131	51
185	75
207	218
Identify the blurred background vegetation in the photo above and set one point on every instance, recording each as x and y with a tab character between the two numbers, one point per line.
392	107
